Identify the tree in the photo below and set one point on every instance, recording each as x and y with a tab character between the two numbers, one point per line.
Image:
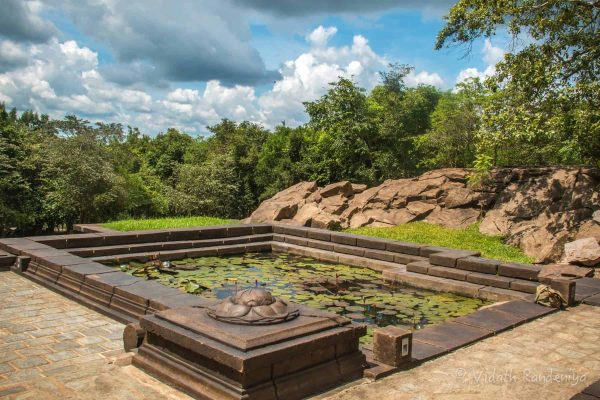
451	141
545	102
344	129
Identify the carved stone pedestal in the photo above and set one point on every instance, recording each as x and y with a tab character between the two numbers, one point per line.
210	358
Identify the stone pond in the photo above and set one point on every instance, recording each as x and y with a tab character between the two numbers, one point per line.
353	292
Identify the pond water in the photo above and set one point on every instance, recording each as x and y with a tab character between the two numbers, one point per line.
354	292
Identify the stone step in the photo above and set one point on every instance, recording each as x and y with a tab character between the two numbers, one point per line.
187	253
460	287
7	260
464	261
101	251
493	280
389	252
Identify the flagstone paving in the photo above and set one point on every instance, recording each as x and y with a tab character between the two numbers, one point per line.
54	348
554	357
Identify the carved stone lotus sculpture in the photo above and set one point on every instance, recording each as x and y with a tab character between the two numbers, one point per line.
253	306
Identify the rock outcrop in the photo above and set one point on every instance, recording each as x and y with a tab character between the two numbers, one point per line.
537	209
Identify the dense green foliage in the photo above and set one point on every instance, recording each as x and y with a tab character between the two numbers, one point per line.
542	107
467	238
543	104
165	223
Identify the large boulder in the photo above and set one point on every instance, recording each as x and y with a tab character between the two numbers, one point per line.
284	204
555	271
583	252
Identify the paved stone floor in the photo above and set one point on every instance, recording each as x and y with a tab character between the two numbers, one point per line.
53	348
551	358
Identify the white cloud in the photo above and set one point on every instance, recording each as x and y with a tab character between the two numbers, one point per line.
424	78
65	77
491	55
320	36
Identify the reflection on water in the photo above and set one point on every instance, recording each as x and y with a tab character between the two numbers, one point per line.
356	293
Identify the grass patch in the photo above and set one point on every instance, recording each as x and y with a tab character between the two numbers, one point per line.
467	238
166	223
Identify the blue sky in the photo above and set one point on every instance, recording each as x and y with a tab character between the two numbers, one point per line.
157	64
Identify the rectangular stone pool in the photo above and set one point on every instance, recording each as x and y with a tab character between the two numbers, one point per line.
353	292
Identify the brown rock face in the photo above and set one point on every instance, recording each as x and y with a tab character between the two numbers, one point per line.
583	252
537	209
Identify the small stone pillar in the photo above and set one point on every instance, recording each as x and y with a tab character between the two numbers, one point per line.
392	345
566	287
133	336
21	263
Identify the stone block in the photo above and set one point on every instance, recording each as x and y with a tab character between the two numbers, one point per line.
448	258
426	251
120	238
142	291
83	240
7	260
178	300
212	232
371	243
260	229
498	294
235	240
319	234
239	230
108	281
592	300
490	319
489	280
155	235
404	247
291	230
478	264
317	244
407	259
205	243
526	309
226	250
267	237
343	238
521	271
56	241
438	284
446	272
422	351
80	271
392	345
192	234
351	250
380	255
450	335
566	287
295	240
524	286
419	267
257	247
57	262
278	238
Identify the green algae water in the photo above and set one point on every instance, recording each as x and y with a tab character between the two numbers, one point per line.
356	293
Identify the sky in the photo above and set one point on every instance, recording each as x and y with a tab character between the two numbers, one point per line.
156	64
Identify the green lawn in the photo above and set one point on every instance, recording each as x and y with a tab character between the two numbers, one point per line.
466	239
165	223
